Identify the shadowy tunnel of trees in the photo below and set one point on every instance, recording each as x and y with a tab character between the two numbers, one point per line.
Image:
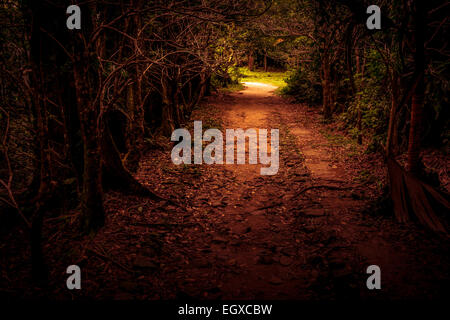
84	105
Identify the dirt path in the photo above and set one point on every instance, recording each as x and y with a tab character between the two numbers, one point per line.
257	237
240	235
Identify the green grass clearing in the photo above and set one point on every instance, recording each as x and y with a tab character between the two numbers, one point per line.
273	78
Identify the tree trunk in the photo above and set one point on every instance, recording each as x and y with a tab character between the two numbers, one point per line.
38	266
413	162
167	121
129	134
92	211
139	129
417	105
251	60
35	13
326	92
265	61
358	97
392	114
116	176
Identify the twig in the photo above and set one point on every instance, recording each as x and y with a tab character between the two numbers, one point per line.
163	225
106	257
322	186
269	206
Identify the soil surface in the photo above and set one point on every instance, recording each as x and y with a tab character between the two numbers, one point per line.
308	232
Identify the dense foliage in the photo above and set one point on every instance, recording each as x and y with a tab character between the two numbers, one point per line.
360	75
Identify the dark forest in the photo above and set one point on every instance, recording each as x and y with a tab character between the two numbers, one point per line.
224	150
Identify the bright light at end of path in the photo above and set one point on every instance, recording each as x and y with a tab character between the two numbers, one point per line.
258	84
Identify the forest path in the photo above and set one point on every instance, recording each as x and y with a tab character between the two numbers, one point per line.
255	236
281	260
238	234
